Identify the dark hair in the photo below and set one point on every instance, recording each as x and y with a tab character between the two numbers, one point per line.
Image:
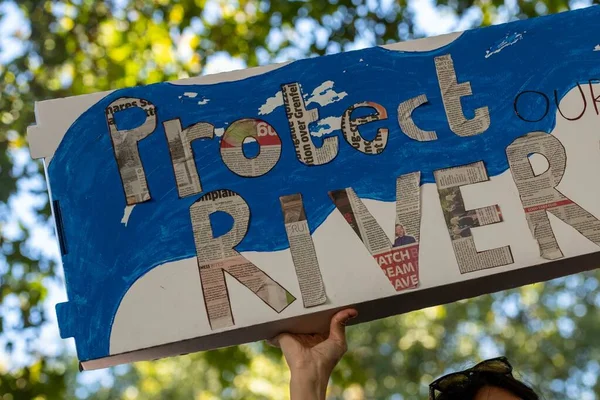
506	382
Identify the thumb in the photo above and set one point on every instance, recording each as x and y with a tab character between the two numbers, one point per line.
337	329
286	342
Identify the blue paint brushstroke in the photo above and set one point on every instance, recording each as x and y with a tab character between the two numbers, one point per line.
105	258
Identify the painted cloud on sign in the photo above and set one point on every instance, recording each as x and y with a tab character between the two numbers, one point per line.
324	94
271	104
327	125
597	48
509	40
193	95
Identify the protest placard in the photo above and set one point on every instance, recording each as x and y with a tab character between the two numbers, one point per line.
225	209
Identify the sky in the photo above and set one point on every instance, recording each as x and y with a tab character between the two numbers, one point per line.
429	21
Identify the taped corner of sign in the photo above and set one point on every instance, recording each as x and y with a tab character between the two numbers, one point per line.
32	138
52	123
39	140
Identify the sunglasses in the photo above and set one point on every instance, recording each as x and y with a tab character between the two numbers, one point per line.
459	382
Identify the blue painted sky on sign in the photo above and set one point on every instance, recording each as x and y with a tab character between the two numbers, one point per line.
105	257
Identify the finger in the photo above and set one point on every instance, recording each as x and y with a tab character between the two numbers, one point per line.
273	342
337	329
276	341
285	341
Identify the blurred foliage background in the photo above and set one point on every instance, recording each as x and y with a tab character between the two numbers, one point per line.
50	49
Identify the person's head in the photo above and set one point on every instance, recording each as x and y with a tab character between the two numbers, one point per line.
399	230
488	380
495	393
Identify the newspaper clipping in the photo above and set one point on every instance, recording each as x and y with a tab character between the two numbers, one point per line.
406	122
354	138
461	221
399	261
539	196
452	91
299	119
182	156
303	251
125	146
244	131
217	256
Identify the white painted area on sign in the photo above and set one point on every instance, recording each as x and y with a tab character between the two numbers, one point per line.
324	94
271	104
327	126
509	40
426	44
219	132
127	214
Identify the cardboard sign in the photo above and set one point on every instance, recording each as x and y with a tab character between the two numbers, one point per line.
225	209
